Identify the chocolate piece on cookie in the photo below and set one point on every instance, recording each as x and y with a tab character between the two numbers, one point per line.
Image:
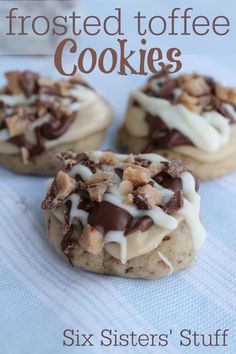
142	222
40	116
190	117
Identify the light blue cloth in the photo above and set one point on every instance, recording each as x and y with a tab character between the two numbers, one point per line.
41	295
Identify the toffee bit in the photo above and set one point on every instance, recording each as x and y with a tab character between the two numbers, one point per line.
92	240
13	85
98	183
137	175
70	159
226	94
174	168
141	162
141	201
109	158
63	185
28	80
18	123
47	203
197	87
146	197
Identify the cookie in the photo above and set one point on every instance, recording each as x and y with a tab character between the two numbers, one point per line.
135	216
190	117
41	116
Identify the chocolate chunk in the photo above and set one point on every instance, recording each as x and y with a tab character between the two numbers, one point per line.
69	243
171	139
33	149
87	204
142	162
29	82
211	83
109	217
68	205
163	137
218	105
176	202
157	87
141	200
156	126
142	224
175	184
50	133
174	168
166	181
166	90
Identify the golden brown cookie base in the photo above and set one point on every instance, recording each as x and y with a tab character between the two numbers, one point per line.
47	163
203	170
177	249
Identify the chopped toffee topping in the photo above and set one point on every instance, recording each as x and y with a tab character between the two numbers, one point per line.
146	197
71	159
98	185
92	239
174	168
200	94
89	202
34	109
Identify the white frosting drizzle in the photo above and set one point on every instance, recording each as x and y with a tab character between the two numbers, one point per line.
84	172
14	100
231	110
189	212
166	261
158	216
118	237
83	94
190	193
208	132
76	213
4	135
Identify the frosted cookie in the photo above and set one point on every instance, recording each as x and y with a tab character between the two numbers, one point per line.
40	116
190	117
125	215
